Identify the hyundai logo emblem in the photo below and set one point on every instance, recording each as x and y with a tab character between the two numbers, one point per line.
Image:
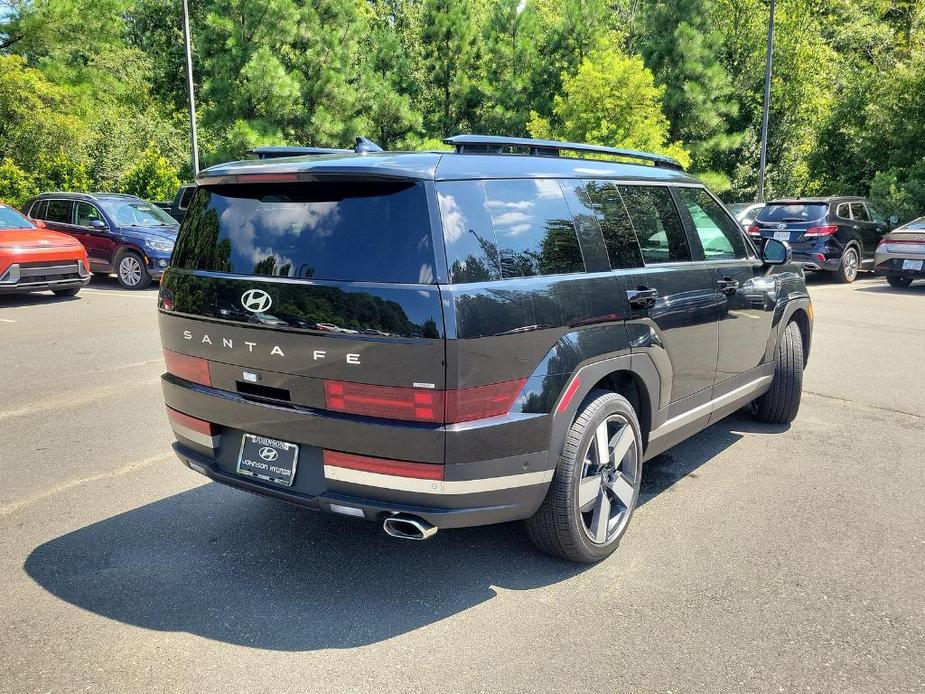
781	226
256	300
268	454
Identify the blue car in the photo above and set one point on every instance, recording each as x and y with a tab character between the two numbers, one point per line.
124	235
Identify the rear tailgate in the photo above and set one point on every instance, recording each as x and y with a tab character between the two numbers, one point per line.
303	297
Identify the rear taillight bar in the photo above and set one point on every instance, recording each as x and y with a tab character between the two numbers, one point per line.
754	230
422	404
195	369
826	230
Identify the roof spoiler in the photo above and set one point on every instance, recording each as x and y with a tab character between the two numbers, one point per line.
492	144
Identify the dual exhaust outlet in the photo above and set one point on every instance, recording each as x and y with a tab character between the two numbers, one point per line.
407	527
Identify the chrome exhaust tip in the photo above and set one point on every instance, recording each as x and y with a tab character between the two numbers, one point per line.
407	527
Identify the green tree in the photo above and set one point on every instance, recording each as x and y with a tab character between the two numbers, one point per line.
16	185
152	177
448	42
611	100
682	50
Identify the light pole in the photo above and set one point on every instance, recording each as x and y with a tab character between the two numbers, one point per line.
767	104
189	86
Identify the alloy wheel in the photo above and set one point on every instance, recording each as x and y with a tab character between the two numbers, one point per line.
130	270
851	264
609	484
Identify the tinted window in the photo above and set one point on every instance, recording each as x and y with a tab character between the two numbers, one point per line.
859	212
471	251
38	209
376	232
874	214
533	227
619	237
842	211
186	197
657	223
87	213
720	235
793	212
587	225
59	211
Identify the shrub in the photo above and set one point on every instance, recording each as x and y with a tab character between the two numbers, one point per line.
151	177
16	186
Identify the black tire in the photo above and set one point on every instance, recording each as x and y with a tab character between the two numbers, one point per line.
559	527
66	292
131	271
898	281
781	403
849	266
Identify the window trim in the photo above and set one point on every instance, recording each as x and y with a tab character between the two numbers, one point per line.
846	204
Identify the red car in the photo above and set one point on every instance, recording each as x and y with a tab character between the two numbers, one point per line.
34	259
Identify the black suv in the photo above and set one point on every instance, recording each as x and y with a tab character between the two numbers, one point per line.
123	234
836	234
434	340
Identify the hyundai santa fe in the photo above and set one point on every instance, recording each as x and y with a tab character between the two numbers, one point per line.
432	340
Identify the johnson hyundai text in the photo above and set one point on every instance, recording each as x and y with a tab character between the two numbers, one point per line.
432	340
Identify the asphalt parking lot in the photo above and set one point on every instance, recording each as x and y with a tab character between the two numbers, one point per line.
762	559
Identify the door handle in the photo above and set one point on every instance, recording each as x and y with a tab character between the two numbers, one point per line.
727	285
642	297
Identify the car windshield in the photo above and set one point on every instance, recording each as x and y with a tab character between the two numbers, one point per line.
137	213
792	212
11	219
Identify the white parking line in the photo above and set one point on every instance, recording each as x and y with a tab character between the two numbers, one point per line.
63	400
7	320
20	504
116	292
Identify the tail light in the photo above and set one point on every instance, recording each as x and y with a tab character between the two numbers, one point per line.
754	230
415	404
827	230
183	366
383	466
422	404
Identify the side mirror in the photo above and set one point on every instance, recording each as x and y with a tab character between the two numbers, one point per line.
893	220
98	224
776	252
39	224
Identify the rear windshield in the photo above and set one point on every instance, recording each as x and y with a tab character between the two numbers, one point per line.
797	212
11	219
354	231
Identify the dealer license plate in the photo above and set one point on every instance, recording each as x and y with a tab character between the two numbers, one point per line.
912	264
268	459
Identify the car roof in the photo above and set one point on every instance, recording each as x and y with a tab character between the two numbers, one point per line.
86	196
816	201
440	166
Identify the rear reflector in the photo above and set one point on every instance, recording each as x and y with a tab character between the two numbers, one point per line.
193	369
827	230
422	404
569	394
382	466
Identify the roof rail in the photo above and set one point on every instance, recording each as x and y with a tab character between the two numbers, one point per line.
274	151
495	144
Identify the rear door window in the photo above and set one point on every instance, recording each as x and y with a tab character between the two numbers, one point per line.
720	236
859	212
619	237
351	231
471	250
533	227
38	209
60	211
657	223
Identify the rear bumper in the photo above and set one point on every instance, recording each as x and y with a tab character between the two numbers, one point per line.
893	264
500	482
811	260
